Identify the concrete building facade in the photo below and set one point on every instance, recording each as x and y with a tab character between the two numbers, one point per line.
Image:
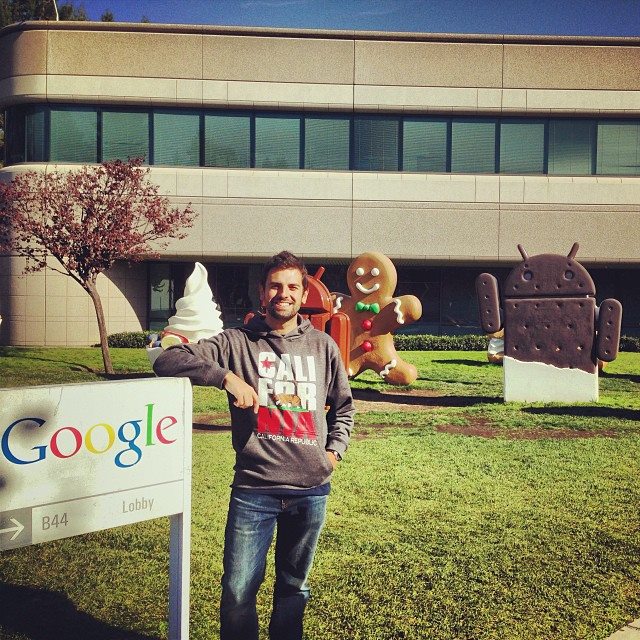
442	151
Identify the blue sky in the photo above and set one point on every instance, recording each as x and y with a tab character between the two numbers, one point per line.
554	17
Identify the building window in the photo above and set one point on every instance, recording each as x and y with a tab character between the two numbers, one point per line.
571	144
375	143
522	147
424	145
161	294
176	138
227	140
618	148
277	140
125	134
473	146
74	135
326	143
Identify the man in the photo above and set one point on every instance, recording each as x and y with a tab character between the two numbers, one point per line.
279	373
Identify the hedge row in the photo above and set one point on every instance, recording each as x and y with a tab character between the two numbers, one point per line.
139	339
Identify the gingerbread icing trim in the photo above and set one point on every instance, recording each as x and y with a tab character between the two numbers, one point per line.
391	365
399	314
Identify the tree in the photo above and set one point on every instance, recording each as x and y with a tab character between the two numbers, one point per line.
1	139
20	10
87	219
107	16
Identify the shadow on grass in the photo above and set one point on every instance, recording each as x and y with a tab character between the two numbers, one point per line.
422	398
39	614
132	375
470	363
586	412
211	428
631	377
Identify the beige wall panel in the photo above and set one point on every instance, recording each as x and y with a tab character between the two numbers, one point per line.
428	64
487	188
515	99
214	91
582	100
418	98
261	59
192	245
18	89
410	231
426	188
511	189
316	185
265	229
571	67
23	53
612	234
96	87
147	55
189	91
284	93
590	191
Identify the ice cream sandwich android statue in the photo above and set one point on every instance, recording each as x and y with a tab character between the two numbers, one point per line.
554	334
197	316
375	314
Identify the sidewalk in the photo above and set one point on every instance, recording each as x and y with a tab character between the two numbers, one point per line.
630	631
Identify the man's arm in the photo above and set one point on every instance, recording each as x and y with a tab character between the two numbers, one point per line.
341	409
205	364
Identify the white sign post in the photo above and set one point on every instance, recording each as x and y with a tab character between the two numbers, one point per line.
85	457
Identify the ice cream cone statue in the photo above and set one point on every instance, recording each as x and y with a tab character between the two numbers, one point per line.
197	316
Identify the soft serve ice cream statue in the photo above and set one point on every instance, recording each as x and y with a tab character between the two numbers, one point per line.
197	315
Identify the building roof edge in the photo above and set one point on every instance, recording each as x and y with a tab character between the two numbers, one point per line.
146	27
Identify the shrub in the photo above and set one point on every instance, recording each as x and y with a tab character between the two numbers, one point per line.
629	343
440	343
129	339
472	343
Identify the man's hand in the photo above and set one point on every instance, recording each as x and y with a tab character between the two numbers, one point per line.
244	394
332	459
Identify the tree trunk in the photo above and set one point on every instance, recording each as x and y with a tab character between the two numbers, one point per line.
102	327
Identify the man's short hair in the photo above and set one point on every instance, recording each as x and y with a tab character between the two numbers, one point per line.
285	260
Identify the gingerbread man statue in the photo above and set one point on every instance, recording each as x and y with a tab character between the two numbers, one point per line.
375	314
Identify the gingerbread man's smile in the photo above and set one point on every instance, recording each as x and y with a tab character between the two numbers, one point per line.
360	287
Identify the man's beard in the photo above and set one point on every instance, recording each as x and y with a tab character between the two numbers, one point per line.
283	316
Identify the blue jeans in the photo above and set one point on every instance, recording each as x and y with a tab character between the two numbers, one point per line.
250	526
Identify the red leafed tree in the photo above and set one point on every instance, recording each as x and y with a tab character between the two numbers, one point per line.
87	219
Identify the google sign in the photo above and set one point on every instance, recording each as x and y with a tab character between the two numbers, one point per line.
80	458
100	438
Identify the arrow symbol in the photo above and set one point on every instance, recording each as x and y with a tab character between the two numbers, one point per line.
18	529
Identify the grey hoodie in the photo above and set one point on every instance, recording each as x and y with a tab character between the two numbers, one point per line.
296	376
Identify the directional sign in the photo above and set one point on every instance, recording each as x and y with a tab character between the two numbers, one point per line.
81	458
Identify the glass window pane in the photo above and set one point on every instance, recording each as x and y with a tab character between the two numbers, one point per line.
14	135
424	145
619	148
74	135
473	146
376	144
522	147
570	146
125	134
326	143
176	138
36	147
227	141
278	142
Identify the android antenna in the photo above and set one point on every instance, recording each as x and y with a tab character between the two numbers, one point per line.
523	253
574	250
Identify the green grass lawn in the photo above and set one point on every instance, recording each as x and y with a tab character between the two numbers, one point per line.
453	516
